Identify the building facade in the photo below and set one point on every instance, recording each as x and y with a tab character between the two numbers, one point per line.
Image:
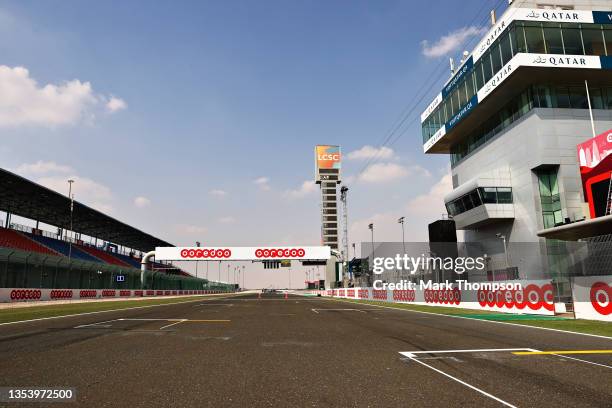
510	118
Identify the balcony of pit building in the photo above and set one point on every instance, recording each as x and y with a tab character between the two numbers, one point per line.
482	201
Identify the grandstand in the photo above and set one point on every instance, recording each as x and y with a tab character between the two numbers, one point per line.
98	248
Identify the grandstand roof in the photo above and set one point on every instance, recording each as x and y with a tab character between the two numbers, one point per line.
25	198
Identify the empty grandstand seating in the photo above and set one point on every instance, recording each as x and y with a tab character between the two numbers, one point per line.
63	248
129	260
104	256
13	239
44	244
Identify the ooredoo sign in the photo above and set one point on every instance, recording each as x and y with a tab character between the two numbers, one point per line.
241	253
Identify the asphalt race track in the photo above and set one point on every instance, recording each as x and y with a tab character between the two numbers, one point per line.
301	352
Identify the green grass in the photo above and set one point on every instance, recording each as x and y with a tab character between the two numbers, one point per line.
551	322
36	312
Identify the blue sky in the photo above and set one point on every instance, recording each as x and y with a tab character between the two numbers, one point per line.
197	120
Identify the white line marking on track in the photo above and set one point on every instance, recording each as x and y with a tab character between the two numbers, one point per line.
215	304
95	324
112	310
477	320
455	359
411	354
583	361
336	310
486	394
152	320
172	324
275	300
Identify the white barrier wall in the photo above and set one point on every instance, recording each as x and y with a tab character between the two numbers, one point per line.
30	294
535	297
593	297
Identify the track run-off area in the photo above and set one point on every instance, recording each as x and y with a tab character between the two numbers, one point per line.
247	350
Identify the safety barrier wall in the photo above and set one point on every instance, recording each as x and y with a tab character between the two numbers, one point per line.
535	297
33	294
593	297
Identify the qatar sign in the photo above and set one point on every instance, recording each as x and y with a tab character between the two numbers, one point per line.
242	253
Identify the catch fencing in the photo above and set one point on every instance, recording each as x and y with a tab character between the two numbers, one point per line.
20	269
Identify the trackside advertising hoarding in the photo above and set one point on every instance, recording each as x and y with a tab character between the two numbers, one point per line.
593	297
35	294
242	253
534	297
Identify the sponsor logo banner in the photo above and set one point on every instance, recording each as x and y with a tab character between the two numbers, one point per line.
556	16
432	106
593	297
434	139
524	14
242	253
491	36
463	69
496	80
605	61
525	60
535	297
464	111
33	294
602	17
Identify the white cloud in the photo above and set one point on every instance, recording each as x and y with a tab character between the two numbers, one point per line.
85	190
218	193
42	167
24	102
142	202
227	220
450	42
419	212
115	104
190	229
263	183
388	172
307	187
55	177
431	204
370	152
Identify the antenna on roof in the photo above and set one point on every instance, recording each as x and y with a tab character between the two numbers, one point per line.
464	57
493	18
452	65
